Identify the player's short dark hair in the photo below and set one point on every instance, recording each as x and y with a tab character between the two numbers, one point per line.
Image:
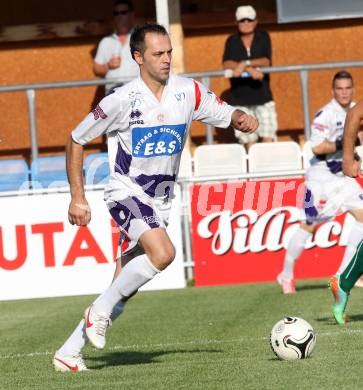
129	4
137	40
342	74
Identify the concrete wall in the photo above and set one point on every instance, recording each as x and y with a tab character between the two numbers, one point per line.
58	111
304	43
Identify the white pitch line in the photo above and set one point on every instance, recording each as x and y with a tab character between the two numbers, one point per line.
178	343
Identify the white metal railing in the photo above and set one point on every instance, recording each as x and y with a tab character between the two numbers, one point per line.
205	77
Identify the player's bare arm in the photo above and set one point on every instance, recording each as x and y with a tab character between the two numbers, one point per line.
327	147
100	70
351	166
79	212
244	122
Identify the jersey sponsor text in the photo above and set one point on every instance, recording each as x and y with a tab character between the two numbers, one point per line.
157	141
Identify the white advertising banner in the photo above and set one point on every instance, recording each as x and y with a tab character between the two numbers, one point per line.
42	255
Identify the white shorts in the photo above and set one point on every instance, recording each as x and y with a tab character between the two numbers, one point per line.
267	118
137	214
335	194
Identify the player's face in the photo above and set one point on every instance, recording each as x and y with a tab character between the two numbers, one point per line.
156	60
343	91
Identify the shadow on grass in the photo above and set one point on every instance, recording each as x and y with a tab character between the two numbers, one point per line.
323	286
351	318
327	320
279	361
129	358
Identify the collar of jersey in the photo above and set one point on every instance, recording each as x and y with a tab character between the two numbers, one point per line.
339	107
146	88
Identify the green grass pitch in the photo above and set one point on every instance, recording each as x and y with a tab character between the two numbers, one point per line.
196	338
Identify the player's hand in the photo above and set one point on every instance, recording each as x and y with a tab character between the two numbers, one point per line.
79	212
244	122
114	63
351	168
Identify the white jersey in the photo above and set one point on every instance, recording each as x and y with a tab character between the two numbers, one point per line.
146	136
328	124
328	191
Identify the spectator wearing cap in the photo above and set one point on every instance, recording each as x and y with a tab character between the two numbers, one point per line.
113	58
244	53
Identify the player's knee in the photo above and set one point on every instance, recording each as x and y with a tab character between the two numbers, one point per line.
308	228
163	257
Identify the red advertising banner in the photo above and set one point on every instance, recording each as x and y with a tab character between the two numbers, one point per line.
240	231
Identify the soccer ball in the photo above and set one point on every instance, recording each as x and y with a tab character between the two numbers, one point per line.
292	338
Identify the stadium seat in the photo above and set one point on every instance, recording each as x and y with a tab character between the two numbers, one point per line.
186	165
14	175
220	160
96	168
307	154
274	156
49	172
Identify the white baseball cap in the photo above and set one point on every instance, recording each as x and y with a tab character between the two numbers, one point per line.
245	12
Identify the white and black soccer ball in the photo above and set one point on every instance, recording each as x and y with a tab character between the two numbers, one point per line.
292	338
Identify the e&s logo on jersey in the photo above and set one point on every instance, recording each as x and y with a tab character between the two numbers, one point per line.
157	141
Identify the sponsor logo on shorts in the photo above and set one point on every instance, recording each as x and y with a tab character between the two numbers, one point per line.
151	219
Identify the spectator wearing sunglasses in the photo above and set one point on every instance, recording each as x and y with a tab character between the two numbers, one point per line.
113	58
245	52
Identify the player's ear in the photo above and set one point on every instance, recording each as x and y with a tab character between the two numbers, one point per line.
138	57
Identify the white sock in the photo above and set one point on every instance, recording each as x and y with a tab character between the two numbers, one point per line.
78	339
135	274
355	237
294	250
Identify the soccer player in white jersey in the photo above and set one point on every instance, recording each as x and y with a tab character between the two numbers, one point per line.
328	191
146	122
